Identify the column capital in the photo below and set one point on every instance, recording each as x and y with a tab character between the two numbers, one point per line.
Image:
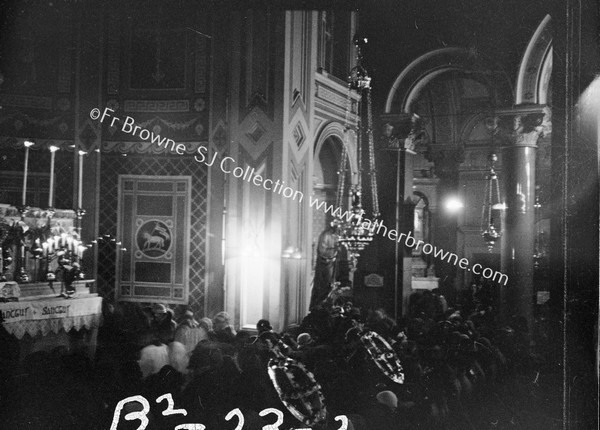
401	131
521	125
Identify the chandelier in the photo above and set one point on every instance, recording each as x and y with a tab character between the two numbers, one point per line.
351	232
492	207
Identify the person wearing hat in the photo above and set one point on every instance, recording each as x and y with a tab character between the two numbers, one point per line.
263	326
163	325
223	331
383	415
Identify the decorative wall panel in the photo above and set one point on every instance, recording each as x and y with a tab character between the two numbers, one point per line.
153	226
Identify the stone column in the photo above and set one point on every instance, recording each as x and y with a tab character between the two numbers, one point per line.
401	133
519	129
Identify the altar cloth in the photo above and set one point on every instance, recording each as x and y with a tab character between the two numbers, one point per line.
51	315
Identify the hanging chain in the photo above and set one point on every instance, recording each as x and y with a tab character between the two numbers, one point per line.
359	149
342	179
341	188
484	219
372	171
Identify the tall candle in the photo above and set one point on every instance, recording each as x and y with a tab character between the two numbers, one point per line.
80	187
27	144
53	149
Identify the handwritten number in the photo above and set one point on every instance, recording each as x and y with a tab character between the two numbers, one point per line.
238	413
344	420
137	415
170	404
276	424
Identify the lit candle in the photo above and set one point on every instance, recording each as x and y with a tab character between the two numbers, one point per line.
80	188
27	144
53	149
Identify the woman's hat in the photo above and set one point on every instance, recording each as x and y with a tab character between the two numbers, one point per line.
387	398
263	325
159	308
206	324
303	339
222	317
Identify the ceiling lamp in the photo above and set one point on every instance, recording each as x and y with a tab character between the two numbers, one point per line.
351	232
491	229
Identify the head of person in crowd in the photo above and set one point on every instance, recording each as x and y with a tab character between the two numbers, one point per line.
304	340
159	313
263	326
221	321
189	320
387	398
206	323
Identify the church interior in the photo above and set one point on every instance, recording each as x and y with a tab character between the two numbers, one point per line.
339	215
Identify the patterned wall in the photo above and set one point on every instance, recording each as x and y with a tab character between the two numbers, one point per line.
114	165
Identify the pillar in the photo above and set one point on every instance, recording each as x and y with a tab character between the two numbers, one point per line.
520	129
400	135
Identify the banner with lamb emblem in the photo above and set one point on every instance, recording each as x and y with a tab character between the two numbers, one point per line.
154	222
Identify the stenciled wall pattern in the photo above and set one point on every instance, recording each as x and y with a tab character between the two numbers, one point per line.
114	165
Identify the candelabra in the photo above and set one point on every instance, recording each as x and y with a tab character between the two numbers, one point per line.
352	234
22	276
67	250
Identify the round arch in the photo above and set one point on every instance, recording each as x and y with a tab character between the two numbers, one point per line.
533	79
428	66
336	130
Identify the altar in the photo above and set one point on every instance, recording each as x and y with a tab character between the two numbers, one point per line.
47	322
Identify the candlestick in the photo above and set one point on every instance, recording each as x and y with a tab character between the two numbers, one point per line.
27	144
80	213
80	187
53	149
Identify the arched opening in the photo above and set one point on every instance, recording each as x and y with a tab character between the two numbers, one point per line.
325	180
533	79
430	66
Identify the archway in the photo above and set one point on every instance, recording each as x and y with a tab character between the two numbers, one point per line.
533	80
418	74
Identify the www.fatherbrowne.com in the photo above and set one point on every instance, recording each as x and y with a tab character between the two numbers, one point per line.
228	165
379	228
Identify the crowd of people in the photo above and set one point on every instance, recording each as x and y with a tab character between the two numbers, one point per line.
210	369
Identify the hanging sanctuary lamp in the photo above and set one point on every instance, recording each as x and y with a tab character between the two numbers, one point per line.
351	231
